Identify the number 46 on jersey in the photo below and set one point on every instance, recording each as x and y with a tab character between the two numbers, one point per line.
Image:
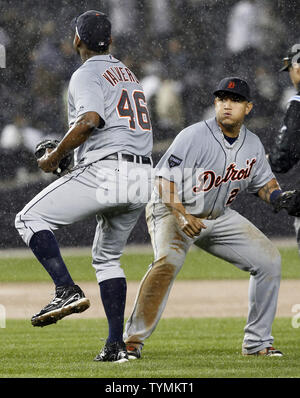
134	108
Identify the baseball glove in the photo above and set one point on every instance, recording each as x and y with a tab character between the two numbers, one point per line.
64	164
289	200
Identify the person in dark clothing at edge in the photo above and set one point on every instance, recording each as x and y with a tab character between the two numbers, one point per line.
286	151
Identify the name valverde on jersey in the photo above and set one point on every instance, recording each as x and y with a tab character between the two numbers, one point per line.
117	74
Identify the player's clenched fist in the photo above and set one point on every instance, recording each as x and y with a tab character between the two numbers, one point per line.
49	159
189	224
47	162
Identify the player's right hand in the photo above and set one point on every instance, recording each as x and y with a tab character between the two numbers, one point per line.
189	224
48	162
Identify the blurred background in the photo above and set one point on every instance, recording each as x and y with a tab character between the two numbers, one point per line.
179	49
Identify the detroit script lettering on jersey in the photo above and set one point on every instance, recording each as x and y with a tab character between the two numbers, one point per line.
208	179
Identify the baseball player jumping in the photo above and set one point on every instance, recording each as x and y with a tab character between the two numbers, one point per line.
198	178
110	133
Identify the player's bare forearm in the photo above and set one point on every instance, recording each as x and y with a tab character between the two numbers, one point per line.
169	194
78	133
265	192
187	223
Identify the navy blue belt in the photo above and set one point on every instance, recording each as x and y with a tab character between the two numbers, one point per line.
128	158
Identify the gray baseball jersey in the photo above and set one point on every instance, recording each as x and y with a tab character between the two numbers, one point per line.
209	172
114	190
105	85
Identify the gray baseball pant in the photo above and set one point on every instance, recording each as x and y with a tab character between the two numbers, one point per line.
297	230
230	237
115	191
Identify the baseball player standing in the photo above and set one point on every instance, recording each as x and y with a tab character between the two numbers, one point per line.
286	152
205	168
110	133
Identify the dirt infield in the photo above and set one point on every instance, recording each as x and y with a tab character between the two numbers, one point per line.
187	299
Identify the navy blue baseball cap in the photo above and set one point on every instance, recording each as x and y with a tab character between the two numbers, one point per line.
234	85
94	29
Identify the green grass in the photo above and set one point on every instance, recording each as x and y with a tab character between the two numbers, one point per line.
198	265
179	348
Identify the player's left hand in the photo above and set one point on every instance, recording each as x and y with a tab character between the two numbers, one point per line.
289	200
49	162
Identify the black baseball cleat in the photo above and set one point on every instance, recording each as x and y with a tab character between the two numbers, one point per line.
134	350
113	352
67	300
